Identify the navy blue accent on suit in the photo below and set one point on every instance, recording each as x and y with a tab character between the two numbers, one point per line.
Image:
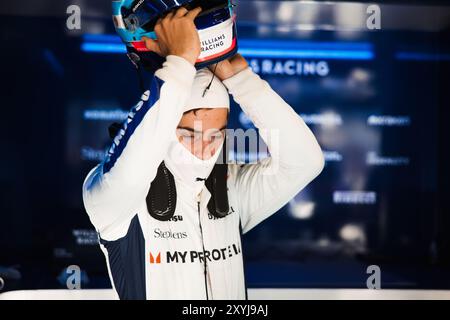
127	262
138	116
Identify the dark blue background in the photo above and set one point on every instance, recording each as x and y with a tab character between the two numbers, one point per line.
49	82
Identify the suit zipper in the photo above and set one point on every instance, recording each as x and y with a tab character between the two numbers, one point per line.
203	245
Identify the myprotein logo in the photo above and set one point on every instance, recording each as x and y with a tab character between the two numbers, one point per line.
195	256
155	258
161	234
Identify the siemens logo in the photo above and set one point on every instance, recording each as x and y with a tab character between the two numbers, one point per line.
196	256
159	234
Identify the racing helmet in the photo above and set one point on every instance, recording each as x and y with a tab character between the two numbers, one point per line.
216	25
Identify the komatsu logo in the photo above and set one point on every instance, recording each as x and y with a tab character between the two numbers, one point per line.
195	256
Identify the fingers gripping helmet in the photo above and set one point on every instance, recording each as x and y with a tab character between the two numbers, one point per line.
216	26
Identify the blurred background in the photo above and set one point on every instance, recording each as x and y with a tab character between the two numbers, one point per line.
377	100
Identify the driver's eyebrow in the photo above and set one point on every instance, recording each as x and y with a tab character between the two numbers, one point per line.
192	129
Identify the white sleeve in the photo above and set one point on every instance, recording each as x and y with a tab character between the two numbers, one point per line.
296	157
112	190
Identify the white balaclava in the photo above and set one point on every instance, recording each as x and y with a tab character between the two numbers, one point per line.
180	161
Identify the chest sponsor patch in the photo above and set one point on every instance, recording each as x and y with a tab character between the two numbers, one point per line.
168	234
212	217
193	256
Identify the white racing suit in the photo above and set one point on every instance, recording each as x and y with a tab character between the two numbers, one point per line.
194	255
